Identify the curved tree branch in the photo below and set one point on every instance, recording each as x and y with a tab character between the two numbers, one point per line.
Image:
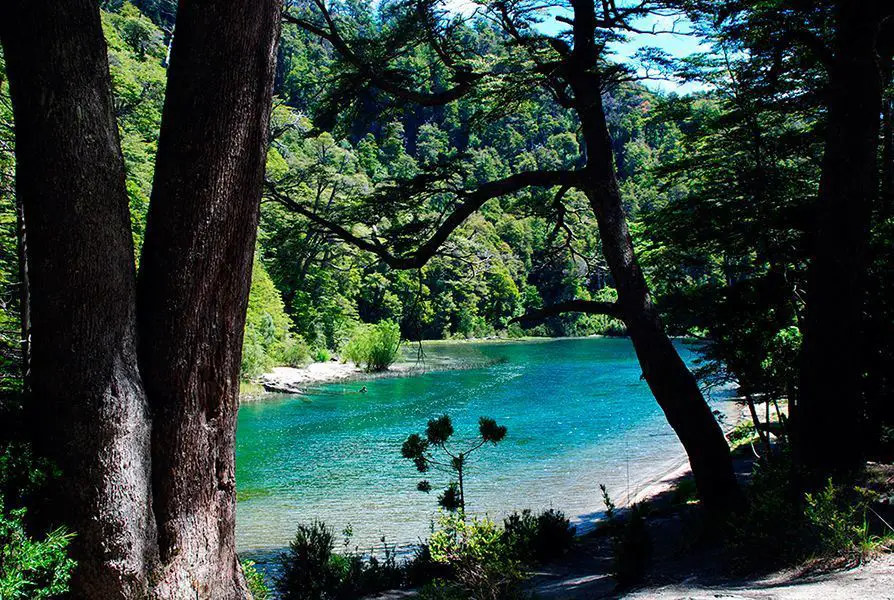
387	80
474	200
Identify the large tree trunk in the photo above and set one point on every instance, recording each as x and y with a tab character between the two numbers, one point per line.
194	280
831	410
673	385
88	404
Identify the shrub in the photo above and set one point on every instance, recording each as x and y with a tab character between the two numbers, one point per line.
631	547
631	544
479	557
322	355
374	347
538	539
312	571
783	526
308	572
31	569
295	352
256	584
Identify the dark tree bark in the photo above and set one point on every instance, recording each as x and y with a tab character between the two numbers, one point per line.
88	404
194	280
673	385
829	414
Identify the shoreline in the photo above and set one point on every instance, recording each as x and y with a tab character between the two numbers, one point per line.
299	380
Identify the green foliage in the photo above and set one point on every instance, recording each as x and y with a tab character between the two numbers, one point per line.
374	347
31	569
479	556
784	526
257	586
311	570
268	340
435	452
539	538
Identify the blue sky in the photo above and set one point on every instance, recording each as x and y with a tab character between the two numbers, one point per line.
677	46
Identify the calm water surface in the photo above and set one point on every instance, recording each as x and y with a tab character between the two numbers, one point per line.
577	412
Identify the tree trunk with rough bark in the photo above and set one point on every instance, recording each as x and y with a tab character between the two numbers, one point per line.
831	410
87	403
194	279
673	385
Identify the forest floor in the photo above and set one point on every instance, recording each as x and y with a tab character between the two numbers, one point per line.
684	569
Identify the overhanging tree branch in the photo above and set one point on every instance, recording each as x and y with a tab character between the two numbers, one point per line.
474	200
385	79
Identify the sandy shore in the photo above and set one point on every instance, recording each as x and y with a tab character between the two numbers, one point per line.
290	380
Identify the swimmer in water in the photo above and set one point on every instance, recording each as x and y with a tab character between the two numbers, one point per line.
363	390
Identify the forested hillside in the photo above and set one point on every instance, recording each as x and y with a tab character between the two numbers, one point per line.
509	259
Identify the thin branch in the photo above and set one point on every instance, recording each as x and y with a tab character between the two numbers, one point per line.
473	201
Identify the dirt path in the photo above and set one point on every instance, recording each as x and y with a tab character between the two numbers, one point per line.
872	581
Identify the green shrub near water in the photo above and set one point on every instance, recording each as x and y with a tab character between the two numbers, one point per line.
374	347
538	538
268	340
483	563
312	570
256	584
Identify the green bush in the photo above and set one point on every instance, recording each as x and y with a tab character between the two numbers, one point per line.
538	539
268	340
31	569
631	544
311	570
322	355
308	572
479	556
783	526
256	584
374	347
295	353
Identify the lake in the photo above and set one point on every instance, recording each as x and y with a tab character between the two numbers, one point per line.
577	411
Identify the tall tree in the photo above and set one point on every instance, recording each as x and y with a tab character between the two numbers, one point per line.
121	471
856	59
576	75
194	278
90	413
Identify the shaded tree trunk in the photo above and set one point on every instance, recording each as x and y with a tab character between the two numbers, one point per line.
829	414
194	279
673	385
88	404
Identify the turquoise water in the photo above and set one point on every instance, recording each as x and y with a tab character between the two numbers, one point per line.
577	411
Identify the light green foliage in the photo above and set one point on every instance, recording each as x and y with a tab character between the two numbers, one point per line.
374	347
31	569
257	586
136	55
479	555
838	522
268	340
784	526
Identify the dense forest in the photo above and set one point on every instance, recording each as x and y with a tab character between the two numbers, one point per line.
462	174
